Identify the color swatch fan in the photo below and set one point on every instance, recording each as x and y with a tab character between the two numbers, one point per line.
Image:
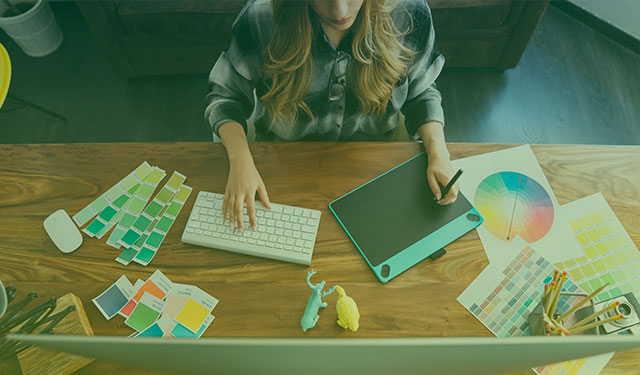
514	204
140	221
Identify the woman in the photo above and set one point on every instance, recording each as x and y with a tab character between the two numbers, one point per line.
326	70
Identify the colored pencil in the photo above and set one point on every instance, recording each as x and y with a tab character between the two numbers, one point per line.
556	297
596	324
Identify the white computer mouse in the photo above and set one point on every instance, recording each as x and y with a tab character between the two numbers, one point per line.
63	231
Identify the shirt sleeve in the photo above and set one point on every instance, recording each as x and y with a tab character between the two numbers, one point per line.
424	102
232	79
230	97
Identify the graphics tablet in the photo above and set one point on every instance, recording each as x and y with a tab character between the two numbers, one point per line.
394	221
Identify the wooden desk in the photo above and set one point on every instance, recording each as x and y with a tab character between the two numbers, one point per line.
259	297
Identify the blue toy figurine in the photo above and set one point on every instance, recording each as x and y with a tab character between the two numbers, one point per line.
310	317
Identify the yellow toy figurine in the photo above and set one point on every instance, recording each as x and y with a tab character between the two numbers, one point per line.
348	315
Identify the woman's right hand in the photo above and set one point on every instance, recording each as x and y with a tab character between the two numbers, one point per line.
243	183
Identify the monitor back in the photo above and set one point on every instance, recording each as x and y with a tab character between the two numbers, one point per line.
479	355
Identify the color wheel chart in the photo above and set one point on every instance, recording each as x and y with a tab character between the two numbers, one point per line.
514	204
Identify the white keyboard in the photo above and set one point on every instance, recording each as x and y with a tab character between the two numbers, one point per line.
284	233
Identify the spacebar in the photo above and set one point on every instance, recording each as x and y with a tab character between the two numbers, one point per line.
244	248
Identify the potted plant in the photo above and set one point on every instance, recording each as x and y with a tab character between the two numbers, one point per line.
32	25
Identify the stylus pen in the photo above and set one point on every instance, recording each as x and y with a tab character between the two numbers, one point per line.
450	184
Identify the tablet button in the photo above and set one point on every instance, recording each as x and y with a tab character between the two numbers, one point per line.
473	217
385	270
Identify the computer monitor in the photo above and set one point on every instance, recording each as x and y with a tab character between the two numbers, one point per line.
468	355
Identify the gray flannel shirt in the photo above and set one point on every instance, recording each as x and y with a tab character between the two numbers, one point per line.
238	73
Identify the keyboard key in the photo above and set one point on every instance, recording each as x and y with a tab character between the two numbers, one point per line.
307	236
315	214
306	213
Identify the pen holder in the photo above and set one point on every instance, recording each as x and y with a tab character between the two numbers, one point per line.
536	319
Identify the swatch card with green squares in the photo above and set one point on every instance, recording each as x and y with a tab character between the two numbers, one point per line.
113	195
610	256
135	206
161	227
140	221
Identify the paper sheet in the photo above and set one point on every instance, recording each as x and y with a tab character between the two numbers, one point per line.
511	192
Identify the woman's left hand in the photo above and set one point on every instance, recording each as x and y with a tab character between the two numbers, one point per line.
439	172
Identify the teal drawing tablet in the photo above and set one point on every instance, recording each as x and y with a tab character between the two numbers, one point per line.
394	222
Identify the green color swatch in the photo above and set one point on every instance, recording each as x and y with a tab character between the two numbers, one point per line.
142	317
164	224
155	239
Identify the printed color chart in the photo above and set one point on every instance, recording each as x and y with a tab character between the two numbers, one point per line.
502	298
610	256
514	204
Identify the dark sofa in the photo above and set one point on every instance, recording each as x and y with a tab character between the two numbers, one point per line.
157	37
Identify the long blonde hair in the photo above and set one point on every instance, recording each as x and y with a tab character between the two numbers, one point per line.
380	60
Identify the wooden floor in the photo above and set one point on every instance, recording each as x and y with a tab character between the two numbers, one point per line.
573	85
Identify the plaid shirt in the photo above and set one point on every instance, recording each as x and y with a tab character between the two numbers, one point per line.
238	73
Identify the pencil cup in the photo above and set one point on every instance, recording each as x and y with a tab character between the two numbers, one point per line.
536	318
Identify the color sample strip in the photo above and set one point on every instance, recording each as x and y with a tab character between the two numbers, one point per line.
143	221
129	253
157	329
116	218
161	228
138	201
502	298
131	304
195	310
99	204
180	331
114	298
145	313
107	216
610	256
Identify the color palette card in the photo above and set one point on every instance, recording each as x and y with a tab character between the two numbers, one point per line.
609	256
608	253
176	298
157	285
180	331
114	298
502	297
145	313
146	217
163	325
100	203
135	207
512	194
195	309
161	226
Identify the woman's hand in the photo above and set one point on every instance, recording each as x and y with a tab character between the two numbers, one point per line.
243	183
439	170
244	179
